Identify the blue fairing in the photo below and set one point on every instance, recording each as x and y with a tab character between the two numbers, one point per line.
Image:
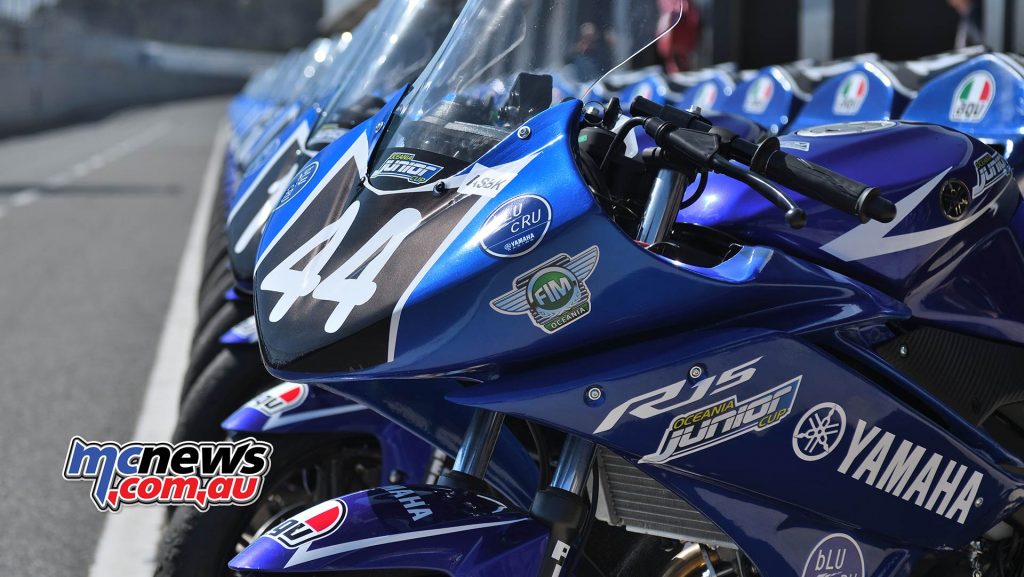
868	91
764	462
996	119
479	336
459	533
368	132
770	98
921	258
748	388
708	94
292	408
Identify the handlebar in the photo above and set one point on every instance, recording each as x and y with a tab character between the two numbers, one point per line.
693	137
816	181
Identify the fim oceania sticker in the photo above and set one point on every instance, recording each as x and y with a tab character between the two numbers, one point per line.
404	165
554	294
724	420
516	227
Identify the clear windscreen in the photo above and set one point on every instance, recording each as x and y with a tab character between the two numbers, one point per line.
329	74
388	53
502	62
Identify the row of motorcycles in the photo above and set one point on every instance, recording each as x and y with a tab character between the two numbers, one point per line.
503	309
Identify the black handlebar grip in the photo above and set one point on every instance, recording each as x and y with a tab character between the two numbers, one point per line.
830	187
644	107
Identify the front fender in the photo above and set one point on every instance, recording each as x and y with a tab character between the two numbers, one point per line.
294	408
300	408
460	533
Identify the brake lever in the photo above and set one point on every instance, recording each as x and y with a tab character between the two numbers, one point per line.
795	216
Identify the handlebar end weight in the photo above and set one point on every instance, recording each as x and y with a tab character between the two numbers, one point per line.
872	206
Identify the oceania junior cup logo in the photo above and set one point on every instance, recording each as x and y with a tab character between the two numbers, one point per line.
404	165
555	294
973	97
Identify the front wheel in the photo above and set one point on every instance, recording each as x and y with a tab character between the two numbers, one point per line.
232	378
305	470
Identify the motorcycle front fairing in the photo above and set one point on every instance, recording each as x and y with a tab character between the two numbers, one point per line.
297	408
453	279
391	46
459	533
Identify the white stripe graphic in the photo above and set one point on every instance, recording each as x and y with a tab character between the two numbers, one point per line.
303	555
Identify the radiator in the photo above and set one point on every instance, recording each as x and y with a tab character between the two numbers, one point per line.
630	498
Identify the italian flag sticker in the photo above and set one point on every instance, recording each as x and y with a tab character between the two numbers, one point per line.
850	97
973	97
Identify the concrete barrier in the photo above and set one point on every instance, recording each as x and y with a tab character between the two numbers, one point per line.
41	92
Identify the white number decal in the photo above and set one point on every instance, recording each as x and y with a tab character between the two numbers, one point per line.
273	195
339	287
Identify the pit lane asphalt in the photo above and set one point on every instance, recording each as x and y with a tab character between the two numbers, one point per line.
93	220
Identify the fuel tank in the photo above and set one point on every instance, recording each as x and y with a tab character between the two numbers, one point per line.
983	97
952	254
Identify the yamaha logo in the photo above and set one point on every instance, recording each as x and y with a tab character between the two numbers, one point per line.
819	431
955	199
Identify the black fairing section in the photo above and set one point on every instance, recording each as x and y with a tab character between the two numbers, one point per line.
298	340
243	263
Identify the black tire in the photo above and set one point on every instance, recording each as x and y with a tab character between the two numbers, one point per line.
235	376
214	285
206	343
212	300
215	257
200	544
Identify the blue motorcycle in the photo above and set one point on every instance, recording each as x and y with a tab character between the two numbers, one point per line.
392	48
471	269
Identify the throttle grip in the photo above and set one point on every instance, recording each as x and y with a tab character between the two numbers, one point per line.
816	181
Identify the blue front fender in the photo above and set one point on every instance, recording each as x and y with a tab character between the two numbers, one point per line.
460	533
296	408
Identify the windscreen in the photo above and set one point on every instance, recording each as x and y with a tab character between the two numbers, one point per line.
305	69
496	68
391	53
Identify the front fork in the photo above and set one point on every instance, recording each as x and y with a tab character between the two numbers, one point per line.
561	506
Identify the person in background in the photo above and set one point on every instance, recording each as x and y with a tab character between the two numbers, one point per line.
968	31
676	47
590	55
